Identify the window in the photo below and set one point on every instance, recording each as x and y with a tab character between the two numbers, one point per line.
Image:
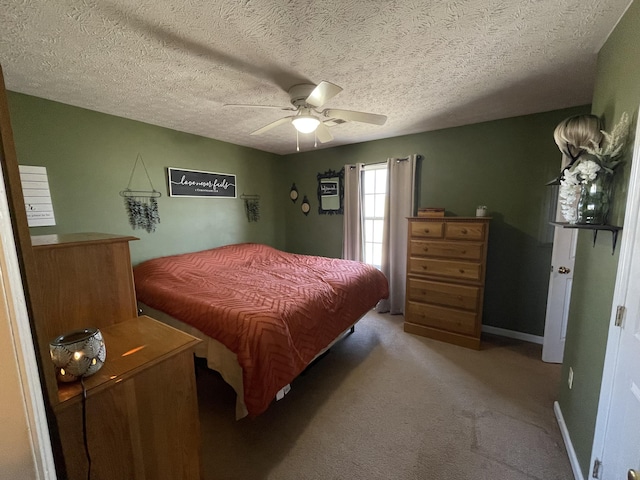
374	193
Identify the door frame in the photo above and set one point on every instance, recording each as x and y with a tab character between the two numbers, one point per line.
14	306
632	211
15	260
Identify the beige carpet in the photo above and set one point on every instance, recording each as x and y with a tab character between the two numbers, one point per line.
384	404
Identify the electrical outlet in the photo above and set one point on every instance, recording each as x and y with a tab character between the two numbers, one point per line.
570	379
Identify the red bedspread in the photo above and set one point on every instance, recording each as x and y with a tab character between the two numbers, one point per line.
276	311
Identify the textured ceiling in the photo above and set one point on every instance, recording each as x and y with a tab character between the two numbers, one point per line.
425	64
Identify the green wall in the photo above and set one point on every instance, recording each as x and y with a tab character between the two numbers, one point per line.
503	164
617	90
89	158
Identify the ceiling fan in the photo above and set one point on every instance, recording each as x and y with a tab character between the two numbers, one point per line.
307	99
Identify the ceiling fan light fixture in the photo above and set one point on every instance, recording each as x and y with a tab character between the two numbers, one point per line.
305	123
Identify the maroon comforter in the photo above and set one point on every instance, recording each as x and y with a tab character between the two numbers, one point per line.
276	311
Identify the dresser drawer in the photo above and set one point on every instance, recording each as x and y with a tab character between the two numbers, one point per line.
445	294
427	229
458	321
446	268
425	248
464	231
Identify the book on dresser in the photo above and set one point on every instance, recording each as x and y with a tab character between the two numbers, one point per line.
446	266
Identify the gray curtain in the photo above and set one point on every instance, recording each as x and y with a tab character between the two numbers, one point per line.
401	180
352	248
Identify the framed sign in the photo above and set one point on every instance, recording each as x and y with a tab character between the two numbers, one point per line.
329	187
196	183
331	192
37	197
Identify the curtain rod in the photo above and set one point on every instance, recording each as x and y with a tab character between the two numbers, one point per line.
418	157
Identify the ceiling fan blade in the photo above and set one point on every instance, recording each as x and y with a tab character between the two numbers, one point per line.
259	106
322	93
351	116
272	125
323	134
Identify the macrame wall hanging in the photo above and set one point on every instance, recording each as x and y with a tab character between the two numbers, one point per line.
251	207
141	205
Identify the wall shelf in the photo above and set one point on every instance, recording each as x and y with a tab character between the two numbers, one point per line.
614	229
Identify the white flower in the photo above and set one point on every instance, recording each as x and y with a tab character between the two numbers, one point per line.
570	177
568	193
587	171
569	213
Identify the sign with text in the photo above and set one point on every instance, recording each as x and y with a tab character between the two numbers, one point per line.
37	197
195	183
329	199
328	188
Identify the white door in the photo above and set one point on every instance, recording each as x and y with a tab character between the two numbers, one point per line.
622	438
560	283
617	436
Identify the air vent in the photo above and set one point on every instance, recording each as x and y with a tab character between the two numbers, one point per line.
333	122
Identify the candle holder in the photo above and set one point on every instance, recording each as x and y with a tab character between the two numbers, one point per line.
77	354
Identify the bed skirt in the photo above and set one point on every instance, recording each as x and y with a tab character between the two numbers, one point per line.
221	359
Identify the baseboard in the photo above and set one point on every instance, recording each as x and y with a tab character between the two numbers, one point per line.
503	332
573	458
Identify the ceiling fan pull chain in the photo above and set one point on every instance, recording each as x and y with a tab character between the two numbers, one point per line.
297	141
315	136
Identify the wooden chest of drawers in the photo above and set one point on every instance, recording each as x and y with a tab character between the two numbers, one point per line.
446	265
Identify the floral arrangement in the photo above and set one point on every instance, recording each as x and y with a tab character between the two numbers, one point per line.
608	155
596	160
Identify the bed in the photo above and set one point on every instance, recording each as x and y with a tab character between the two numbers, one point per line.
264	314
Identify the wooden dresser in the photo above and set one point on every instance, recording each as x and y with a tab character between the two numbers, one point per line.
141	406
446	264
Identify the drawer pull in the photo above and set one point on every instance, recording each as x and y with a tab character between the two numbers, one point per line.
464	231
461	270
426	230
425	249
424	267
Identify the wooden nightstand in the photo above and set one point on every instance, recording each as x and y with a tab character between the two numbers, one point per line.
142	411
